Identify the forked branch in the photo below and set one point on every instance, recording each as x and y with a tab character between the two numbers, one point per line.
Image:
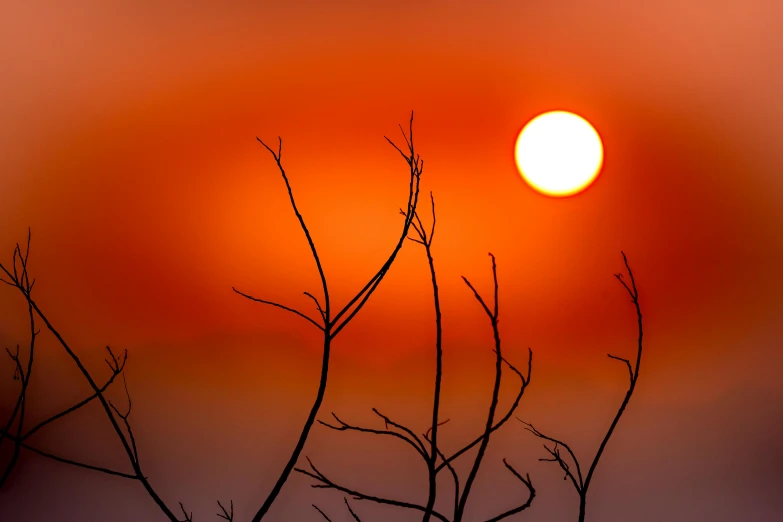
332	325
18	276
323	482
581	486
226	515
531	494
350	510
430	452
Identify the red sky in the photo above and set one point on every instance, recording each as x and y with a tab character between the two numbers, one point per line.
128	138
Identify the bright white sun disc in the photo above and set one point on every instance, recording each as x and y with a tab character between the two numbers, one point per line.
559	153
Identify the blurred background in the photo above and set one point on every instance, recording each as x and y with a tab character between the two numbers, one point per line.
128	136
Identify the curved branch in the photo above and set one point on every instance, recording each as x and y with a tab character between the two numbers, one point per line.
225	514
531	494
505	418
633	374
278	305
310	242
333	326
350	510
416	168
634	293
388	421
322	513
317	305
577	480
344	426
493	317
326	483
73	462
115	372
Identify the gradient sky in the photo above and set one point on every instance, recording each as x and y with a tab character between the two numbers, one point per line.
127	132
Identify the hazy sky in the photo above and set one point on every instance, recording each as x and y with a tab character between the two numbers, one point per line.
127	132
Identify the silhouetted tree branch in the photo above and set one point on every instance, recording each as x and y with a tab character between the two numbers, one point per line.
431	454
17	276
408	437
581	485
331	325
322	513
531	494
116	365
226	515
20	280
325	483
350	510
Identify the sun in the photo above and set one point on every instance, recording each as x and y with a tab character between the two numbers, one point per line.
559	153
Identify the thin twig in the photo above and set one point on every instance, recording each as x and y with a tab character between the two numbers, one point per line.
322	513
344	426
225	514
326	483
581	486
278	305
334	325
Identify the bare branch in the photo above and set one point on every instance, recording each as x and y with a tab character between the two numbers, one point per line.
361	297
524	384
493	317
454	476
627	363
278	305
633	375
188	518
317	305
225	514
333	325
576	479
348	427
531	494
116	370
410	432
437	425
124	418
326	483
493	314
73	462
310	242
20	408
634	293
354	515
129	447
322	513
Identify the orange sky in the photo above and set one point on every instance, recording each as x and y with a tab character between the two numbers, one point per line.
128	145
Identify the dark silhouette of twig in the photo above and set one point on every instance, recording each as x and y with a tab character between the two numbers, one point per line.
188	517
76	463
21	281
493	317
322	513
531	494
331	325
325	483
431	434
116	365
350	510
226	514
580	483
414	442
431	453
